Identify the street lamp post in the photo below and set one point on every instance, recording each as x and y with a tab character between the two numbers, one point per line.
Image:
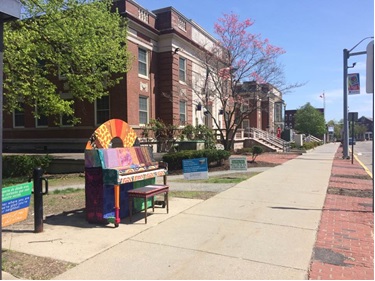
347	54
9	10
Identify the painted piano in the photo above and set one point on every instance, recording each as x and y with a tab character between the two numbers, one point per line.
115	164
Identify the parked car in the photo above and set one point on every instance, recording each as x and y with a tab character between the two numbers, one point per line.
351	141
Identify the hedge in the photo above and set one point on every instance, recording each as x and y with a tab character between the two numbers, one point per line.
23	165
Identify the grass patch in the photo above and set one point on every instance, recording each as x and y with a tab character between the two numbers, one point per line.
66	190
25	266
203	195
226	178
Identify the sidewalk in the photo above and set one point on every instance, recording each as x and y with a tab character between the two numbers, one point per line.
345	242
269	227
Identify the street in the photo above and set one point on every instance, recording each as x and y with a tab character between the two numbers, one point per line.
363	150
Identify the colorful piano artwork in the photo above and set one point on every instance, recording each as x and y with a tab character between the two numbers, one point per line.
111	171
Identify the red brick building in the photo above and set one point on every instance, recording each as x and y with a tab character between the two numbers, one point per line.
266	105
165	45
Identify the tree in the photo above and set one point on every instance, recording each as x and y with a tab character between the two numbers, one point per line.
310	121
70	46
237	56
337	128
360	130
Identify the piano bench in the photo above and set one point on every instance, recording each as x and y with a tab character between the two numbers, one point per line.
145	193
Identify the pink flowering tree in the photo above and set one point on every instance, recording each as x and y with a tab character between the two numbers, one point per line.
237	56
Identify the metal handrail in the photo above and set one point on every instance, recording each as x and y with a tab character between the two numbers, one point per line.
313	138
256	133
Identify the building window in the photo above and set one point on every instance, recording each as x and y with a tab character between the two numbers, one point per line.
42	120
143	110
66	120
246	124
183	112
61	73
278	113
244	107
181	23
19	116
102	110
182	69
142	62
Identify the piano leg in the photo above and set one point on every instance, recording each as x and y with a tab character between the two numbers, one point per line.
146	210
166	201
117	205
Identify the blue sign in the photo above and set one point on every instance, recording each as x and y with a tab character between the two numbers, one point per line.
196	168
15	204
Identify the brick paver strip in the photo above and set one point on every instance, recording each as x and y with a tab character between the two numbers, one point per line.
344	248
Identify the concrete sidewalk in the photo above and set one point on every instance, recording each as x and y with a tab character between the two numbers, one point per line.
262	228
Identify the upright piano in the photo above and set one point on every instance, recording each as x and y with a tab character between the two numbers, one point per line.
111	171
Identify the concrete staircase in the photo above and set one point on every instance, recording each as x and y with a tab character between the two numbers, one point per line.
313	138
269	140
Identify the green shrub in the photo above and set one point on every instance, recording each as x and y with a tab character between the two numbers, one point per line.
256	150
199	132
293	145
23	165
174	159
311	145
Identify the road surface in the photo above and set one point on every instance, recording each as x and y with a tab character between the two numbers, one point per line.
363	150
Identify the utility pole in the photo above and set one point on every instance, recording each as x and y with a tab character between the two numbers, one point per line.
346	55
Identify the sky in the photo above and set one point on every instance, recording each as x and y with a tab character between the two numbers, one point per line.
313	34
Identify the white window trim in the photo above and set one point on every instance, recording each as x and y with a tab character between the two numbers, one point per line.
147	63
147	111
185	113
181	81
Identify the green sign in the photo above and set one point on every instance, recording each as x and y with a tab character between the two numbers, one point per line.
238	163
16	191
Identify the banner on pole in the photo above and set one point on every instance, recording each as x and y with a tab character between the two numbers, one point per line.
353	84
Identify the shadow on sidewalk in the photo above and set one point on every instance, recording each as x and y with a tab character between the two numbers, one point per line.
74	218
